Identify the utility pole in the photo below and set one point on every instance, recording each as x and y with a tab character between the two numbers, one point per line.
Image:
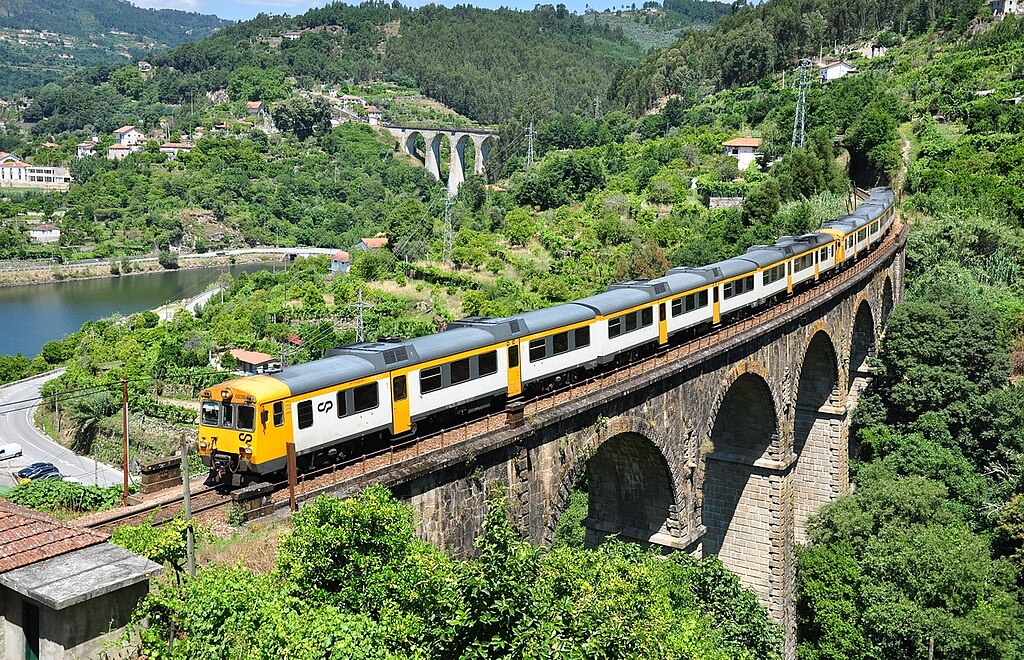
597	106
529	147
800	116
360	306
190	536
449	231
292	477
124	429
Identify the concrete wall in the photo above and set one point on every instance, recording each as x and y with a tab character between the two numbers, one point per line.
87	630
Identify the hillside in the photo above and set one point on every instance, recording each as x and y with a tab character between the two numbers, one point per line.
46	40
88	18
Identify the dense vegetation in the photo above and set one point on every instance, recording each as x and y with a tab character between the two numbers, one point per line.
353	581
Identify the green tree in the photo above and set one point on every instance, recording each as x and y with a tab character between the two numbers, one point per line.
303	116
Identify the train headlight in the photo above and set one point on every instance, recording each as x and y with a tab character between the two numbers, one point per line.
246	452
225	393
203	444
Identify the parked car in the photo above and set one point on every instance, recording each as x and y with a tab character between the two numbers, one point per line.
9	450
25	471
39	471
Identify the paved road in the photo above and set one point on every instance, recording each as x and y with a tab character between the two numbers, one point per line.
16	425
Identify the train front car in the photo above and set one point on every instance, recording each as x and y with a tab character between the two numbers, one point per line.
235	439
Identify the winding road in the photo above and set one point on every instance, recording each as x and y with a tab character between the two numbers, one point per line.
18	402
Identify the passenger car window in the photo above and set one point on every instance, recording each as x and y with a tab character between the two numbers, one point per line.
430	379
582	337
305	414
364	397
228	412
278	413
460	371
538	349
488	363
560	343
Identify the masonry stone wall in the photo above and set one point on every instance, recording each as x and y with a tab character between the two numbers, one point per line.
727	452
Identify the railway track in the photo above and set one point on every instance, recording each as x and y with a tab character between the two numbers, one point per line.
211	504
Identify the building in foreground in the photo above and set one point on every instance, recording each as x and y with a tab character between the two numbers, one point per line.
65	593
743	149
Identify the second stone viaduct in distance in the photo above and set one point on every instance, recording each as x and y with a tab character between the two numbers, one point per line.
458	140
724	445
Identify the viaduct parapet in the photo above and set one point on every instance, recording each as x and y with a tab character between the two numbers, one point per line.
723	445
458	139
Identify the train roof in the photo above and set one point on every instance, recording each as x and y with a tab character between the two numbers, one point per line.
615	300
501	329
547	318
312	376
681	282
720	270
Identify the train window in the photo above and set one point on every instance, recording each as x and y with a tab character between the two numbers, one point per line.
488	363
702	298
430	379
630	320
228	414
399	388
727	290
646	316
774	274
614	327
748	283
716	294
278	413
304	412
823	254
582	336
459	371
211	413
247	418
538	349
677	305
513	357
364	398
560	343
804	262
342	403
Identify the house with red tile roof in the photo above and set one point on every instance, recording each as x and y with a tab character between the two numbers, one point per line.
129	136
743	149
370	244
340	261
65	592
254	362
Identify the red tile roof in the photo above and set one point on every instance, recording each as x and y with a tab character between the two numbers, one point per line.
27	537
374	243
742	142
341	256
44	228
251	357
125	129
254	104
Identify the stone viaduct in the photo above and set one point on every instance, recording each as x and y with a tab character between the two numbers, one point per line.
722	445
458	139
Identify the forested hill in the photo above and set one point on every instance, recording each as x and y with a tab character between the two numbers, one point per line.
85	18
489	65
755	41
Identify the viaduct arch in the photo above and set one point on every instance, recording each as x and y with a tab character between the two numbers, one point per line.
725	445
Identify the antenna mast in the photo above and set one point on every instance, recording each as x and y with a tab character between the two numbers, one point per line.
800	118
360	306
449	231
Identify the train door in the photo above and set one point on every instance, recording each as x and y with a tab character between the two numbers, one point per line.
515	376
716	307
662	324
400	404
789	277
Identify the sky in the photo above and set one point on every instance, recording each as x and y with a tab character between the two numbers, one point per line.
238	10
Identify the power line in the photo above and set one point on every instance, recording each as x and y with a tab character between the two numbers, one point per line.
449	231
529	150
800	117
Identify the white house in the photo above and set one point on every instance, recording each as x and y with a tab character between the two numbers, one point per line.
44	234
370	244
1003	7
118	151
352	99
743	149
172	149
835	70
292	36
15	173
373	115
87	148
129	136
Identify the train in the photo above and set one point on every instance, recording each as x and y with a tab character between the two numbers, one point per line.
368	394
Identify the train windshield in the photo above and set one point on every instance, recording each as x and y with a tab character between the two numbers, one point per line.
246	418
211	413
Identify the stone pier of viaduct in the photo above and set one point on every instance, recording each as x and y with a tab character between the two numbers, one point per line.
725	451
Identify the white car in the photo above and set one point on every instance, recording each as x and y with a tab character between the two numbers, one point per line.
9	450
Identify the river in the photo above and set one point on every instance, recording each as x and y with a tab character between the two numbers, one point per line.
32	315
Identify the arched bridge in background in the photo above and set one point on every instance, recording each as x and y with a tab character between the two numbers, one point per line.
725	444
458	140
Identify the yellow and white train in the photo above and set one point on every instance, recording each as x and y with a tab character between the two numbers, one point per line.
361	396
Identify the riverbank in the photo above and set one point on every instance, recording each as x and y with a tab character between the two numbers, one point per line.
105	270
